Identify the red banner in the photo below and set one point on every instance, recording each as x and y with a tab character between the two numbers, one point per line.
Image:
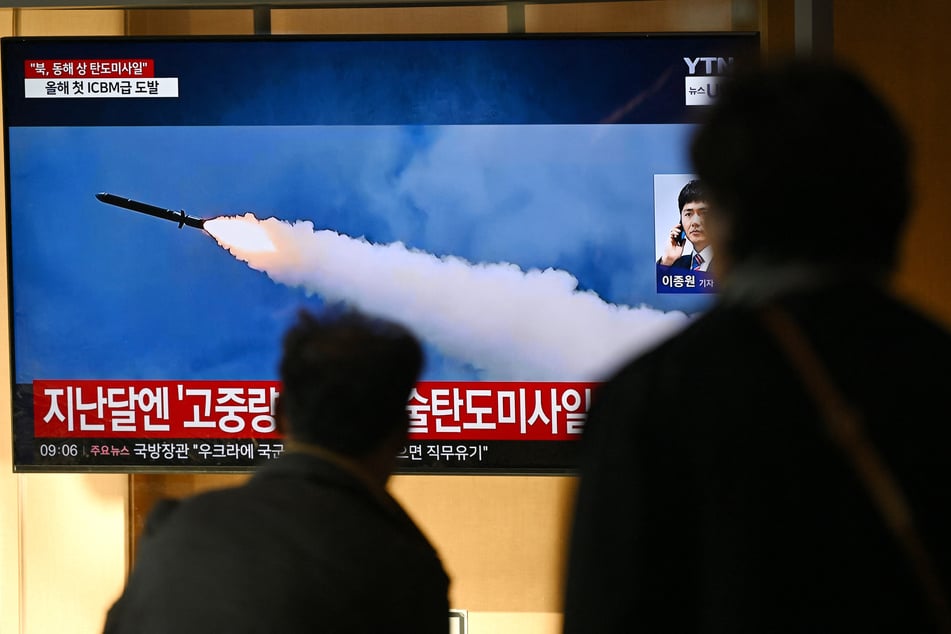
86	68
438	410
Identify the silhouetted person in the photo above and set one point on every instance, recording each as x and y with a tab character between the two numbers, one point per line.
312	542
752	514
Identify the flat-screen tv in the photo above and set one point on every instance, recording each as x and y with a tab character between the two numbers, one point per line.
172	203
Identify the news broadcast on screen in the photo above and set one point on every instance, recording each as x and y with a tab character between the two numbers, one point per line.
173	202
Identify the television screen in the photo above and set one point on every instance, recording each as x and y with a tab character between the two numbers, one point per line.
172	203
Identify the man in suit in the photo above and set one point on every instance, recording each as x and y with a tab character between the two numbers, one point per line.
693	205
718	491
312	542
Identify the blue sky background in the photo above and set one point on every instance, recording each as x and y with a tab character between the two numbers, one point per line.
101	292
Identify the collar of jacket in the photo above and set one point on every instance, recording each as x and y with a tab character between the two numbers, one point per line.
346	464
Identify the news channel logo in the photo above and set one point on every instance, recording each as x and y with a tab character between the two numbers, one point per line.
703	79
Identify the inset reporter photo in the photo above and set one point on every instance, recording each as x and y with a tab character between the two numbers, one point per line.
683	254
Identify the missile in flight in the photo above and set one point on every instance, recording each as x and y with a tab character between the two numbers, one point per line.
144	208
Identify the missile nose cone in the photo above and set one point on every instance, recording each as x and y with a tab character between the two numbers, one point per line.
102	196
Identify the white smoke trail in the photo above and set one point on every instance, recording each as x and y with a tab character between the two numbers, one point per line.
509	323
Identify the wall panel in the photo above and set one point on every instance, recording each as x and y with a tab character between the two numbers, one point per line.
487	19
635	16
901	47
9	506
190	22
69	22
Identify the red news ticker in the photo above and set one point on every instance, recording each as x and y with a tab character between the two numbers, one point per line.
88	68
438	410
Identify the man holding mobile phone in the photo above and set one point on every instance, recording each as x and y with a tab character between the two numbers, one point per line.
692	202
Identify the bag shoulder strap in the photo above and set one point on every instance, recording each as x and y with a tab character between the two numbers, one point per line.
845	426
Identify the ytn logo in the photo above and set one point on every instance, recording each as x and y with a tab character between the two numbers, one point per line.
702	82
708	65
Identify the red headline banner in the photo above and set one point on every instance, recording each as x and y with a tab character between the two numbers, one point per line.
438	410
85	68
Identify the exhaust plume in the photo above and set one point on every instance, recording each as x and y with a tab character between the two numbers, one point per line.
508	323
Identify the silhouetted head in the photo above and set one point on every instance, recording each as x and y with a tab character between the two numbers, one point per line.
346	379
804	163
